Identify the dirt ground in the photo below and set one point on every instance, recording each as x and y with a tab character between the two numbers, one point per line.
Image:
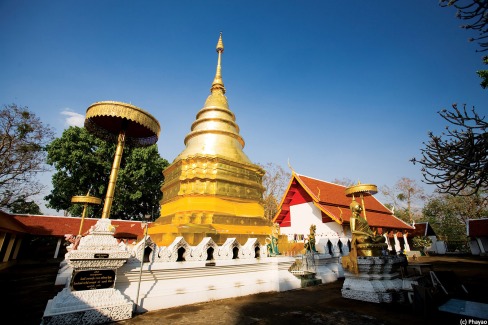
324	304
27	287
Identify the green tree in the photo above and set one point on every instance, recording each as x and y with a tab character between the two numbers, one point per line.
83	162
406	199
448	214
22	206
457	160
421	242
483	74
22	142
474	13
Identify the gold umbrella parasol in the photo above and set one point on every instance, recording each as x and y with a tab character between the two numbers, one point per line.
361	190
85	199
123	124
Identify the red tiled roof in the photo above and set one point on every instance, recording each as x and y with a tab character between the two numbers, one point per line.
375	219
59	226
334	193
422	229
8	224
478	227
331	199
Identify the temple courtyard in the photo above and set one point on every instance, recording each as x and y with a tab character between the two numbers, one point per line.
27	286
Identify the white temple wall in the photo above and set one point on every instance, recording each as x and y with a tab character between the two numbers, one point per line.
483	244
302	216
436	246
479	245
166	285
306	214
475	248
440	247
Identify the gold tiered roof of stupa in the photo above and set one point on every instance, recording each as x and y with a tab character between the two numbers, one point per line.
212	188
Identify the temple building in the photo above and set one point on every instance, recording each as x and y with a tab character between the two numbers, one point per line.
27	236
477	232
309	201
212	189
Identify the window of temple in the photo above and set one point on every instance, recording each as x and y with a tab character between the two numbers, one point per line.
329	247
181	254
210	252
235	253
147	253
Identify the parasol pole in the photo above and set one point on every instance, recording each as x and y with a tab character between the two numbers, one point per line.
83	217
362	205
107	206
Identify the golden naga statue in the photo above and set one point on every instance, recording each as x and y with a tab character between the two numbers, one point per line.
272	241
310	242
364	242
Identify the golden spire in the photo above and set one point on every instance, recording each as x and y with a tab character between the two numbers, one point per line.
218	83
212	187
215	131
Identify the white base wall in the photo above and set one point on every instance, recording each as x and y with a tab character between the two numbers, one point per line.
475	248
166	285
172	284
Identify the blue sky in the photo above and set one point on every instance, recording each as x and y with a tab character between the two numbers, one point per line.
343	89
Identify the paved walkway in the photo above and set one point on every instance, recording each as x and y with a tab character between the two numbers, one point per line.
26	288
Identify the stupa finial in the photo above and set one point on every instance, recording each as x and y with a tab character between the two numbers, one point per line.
218	83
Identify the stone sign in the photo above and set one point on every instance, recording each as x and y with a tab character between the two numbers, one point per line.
93	279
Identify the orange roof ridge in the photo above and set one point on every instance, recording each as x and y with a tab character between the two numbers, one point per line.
406	223
320	180
64	217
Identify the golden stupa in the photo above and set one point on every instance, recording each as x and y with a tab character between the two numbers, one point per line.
212	189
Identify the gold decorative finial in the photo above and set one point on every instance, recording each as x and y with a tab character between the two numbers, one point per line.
289	166
220	44
218	83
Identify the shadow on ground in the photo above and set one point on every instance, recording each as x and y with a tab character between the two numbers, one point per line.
26	288
324	304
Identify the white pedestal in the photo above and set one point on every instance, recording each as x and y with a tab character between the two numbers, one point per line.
87	307
92	298
378	280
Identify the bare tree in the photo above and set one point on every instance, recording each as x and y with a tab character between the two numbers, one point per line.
457	160
343	181
275	182
22	156
474	13
406	198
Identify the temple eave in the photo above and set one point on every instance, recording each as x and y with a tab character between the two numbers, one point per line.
163	235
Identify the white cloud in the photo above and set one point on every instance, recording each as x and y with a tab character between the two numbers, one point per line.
73	119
